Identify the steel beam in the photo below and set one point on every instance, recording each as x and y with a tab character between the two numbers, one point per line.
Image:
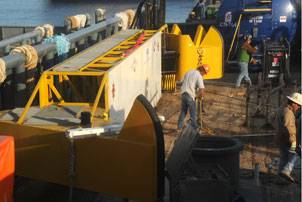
34	35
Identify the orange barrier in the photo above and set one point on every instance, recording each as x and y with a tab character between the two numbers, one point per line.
7	168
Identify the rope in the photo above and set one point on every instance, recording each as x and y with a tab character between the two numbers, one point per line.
49	30
124	20
73	22
100	11
62	43
41	29
46	30
82	20
30	54
131	14
77	21
2	71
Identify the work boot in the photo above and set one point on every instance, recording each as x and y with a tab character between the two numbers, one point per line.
287	176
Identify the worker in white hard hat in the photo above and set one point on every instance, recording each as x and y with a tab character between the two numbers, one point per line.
192	87
287	136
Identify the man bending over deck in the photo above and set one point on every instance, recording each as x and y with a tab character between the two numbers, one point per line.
192	87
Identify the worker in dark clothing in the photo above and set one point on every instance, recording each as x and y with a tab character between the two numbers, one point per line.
244	58
298	124
287	136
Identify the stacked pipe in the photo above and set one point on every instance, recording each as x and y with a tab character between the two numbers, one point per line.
14	86
30	38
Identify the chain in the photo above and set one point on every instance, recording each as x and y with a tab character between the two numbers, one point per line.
200	53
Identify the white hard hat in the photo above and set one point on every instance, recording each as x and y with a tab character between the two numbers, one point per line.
296	98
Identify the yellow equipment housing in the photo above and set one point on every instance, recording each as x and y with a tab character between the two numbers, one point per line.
128	165
207	48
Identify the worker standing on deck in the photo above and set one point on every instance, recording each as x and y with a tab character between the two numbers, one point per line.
244	58
287	136
192	87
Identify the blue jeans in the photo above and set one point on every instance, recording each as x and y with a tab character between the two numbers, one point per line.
187	103
288	159
244	73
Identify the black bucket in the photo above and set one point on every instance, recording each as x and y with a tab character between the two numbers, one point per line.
222	152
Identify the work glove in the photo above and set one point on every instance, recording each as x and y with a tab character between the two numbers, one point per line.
298	150
293	147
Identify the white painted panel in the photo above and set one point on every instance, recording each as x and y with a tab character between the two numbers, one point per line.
139	73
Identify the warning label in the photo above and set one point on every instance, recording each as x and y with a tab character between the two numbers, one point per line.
282	18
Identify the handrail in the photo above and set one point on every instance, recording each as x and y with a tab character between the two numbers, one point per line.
235	34
257	10
37	35
43	49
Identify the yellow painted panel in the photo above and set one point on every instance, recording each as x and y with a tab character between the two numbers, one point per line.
213	57
212	53
188	57
124	165
175	30
199	35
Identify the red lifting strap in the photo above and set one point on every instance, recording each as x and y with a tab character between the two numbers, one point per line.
138	42
7	168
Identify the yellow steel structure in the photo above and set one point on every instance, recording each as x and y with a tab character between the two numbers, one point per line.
168	81
207	48
234	36
49	93
129	165
257	10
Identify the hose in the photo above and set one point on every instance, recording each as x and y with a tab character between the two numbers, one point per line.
30	54
62	43
2	71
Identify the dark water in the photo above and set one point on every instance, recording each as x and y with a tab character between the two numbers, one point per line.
36	12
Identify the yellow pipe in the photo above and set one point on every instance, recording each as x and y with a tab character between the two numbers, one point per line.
97	98
265	2
31	99
235	33
83	104
106	99
175	30
198	36
56	92
257	10
54	73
